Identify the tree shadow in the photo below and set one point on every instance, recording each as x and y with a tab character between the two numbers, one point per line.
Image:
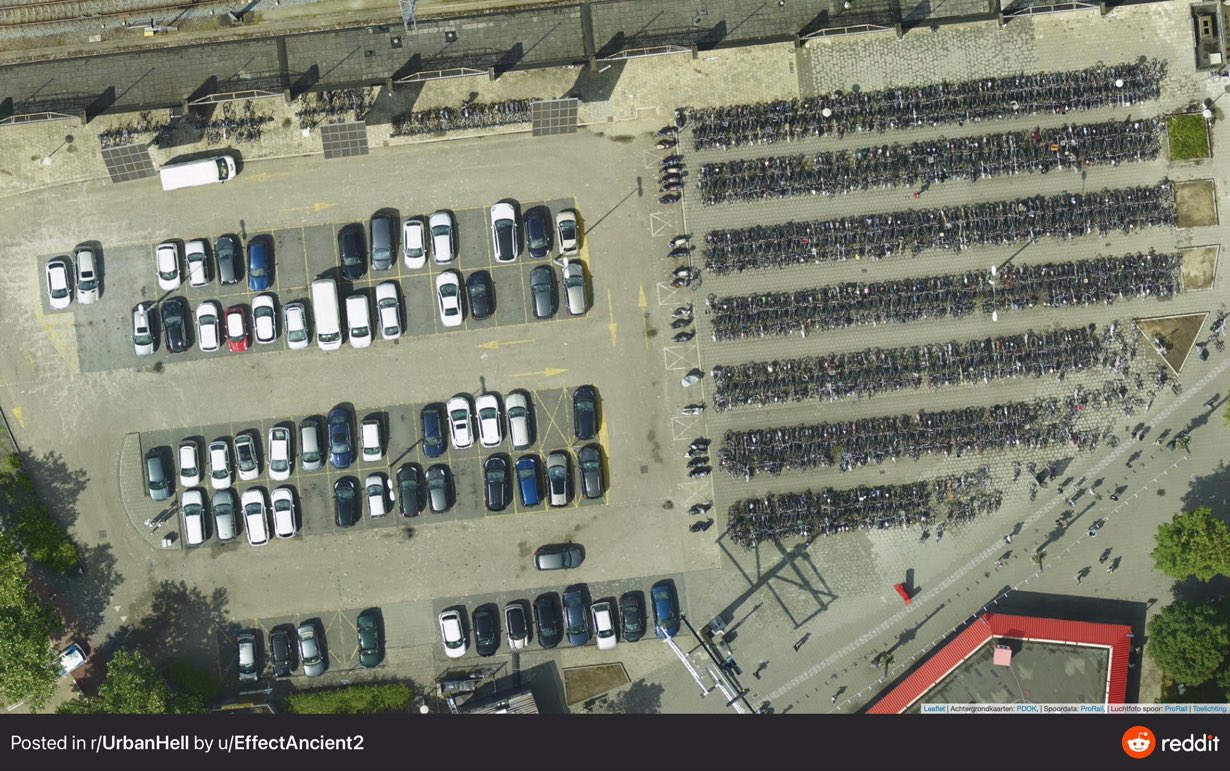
639	698
1210	490
90	594
182	623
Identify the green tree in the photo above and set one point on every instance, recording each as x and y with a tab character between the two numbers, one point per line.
352	700
133	687
29	666
1189	641
1194	543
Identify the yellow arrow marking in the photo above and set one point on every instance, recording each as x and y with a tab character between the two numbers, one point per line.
548	372
16	411
319	206
641	302
494	345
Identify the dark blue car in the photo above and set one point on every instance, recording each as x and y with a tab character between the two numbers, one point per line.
664	615
432	421
576	617
260	264
527	480
341	439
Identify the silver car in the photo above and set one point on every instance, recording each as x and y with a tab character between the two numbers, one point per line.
574	288
87	275
557	478
311	653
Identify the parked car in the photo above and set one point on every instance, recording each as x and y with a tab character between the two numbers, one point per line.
189	464
439	488
414	243
280	461
310	456
311	651
285	524
88	280
542	288
143	338
198	263
497	484
431	419
226	253
370	441
359	321
255	516
453	634
460	422
603	615
576	619
209	326
486	631
443	237
351	249
559	556
345	502
249	658
59	288
537	232
260	264
504	231
341	441
264	319
282	651
574	288
589	460
528	476
157	480
295	322
226	527
174	313
481	292
375	489
192	506
546	620
245	457
665	617
516	625
220	473
567	233
632	616
487	408
71	659
517	405
367	625
236	329
166	265
557	478
382	228
410	489
388	311
585	413
448	298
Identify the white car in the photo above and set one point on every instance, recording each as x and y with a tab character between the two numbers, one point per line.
443	237
264	319
460	422
375	488
245	457
448	296
189	464
280	463
294	320
388	311
504	231
209	326
369	440
283	501
220	473
488	408
255	516
166	265
453	634
87	275
603	616
59	292
198	263
568	235
142	332
359	320
414	243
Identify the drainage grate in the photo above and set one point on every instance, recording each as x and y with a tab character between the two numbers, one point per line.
102	533
128	162
644	469
555	116
342	140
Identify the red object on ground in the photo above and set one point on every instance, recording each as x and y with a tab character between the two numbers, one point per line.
904	594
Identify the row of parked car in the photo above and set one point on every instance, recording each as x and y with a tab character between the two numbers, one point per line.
573	618
259	518
291	646
78	276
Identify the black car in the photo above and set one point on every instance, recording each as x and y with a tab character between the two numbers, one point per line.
498	482
576	616
410	489
432	421
482	294
585	412
227	252
559	556
537	232
546	620
174	313
439	488
486	630
351	250
367	625
282	650
632	616
346	502
542	288
589	459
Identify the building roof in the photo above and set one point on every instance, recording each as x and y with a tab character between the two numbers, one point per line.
1115	639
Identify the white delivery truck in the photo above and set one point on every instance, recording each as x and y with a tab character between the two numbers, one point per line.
205	171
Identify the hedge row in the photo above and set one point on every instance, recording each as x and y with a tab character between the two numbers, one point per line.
351	700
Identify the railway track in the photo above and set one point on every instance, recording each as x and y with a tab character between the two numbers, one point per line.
26	13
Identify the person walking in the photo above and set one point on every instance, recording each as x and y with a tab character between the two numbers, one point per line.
1078	578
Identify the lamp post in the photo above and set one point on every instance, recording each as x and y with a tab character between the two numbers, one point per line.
68	140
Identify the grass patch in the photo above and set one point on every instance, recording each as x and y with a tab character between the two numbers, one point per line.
352	700
583	683
1189	137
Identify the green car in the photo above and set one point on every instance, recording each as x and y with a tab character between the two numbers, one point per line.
368	626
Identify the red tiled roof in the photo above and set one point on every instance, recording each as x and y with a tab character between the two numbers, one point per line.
989	625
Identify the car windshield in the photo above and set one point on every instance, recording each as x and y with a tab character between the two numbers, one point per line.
495	475
488	413
448	291
527	472
568	229
345	494
143	336
244	452
558	473
375	489
408	487
440	231
257	269
459	416
295	326
222	510
252	510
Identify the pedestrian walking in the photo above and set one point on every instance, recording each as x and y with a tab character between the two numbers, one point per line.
1008	538
834	699
1071	502
1110	568
1078	578
1114	496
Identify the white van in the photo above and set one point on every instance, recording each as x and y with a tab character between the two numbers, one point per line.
205	171
327	313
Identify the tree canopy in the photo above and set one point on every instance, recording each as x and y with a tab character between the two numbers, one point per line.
1189	641
1193	543
29	666
133	687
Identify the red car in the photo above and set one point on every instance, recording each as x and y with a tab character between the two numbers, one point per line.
236	329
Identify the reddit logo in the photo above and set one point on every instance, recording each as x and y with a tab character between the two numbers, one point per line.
1139	742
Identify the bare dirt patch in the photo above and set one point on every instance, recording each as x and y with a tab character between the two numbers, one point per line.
1196	203
1176	335
1199	266
581	683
